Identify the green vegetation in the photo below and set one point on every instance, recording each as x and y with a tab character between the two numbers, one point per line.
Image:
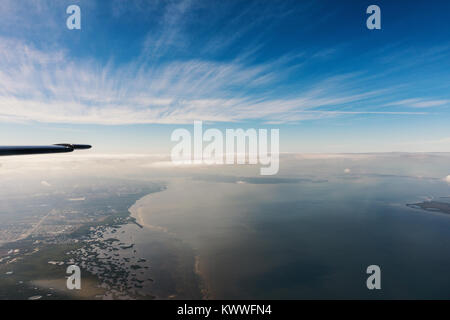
32	275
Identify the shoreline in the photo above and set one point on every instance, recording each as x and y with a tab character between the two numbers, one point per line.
136	212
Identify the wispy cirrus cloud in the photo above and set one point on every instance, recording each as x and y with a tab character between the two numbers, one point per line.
421	103
50	87
50	84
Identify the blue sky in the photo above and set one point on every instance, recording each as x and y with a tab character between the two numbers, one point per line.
139	69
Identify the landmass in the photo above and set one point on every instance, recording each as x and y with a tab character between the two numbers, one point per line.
45	233
434	206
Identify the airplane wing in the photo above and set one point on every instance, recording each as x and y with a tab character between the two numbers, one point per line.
57	148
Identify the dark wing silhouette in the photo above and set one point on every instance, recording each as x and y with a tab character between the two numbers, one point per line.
57	148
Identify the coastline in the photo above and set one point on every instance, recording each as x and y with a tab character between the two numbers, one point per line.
137	213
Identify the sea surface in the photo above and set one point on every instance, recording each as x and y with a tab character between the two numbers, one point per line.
308	233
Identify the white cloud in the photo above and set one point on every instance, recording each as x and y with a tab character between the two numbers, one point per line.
45	184
52	87
421	103
49	87
447	179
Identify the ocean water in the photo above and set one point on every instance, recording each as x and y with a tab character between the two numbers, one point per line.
310	232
